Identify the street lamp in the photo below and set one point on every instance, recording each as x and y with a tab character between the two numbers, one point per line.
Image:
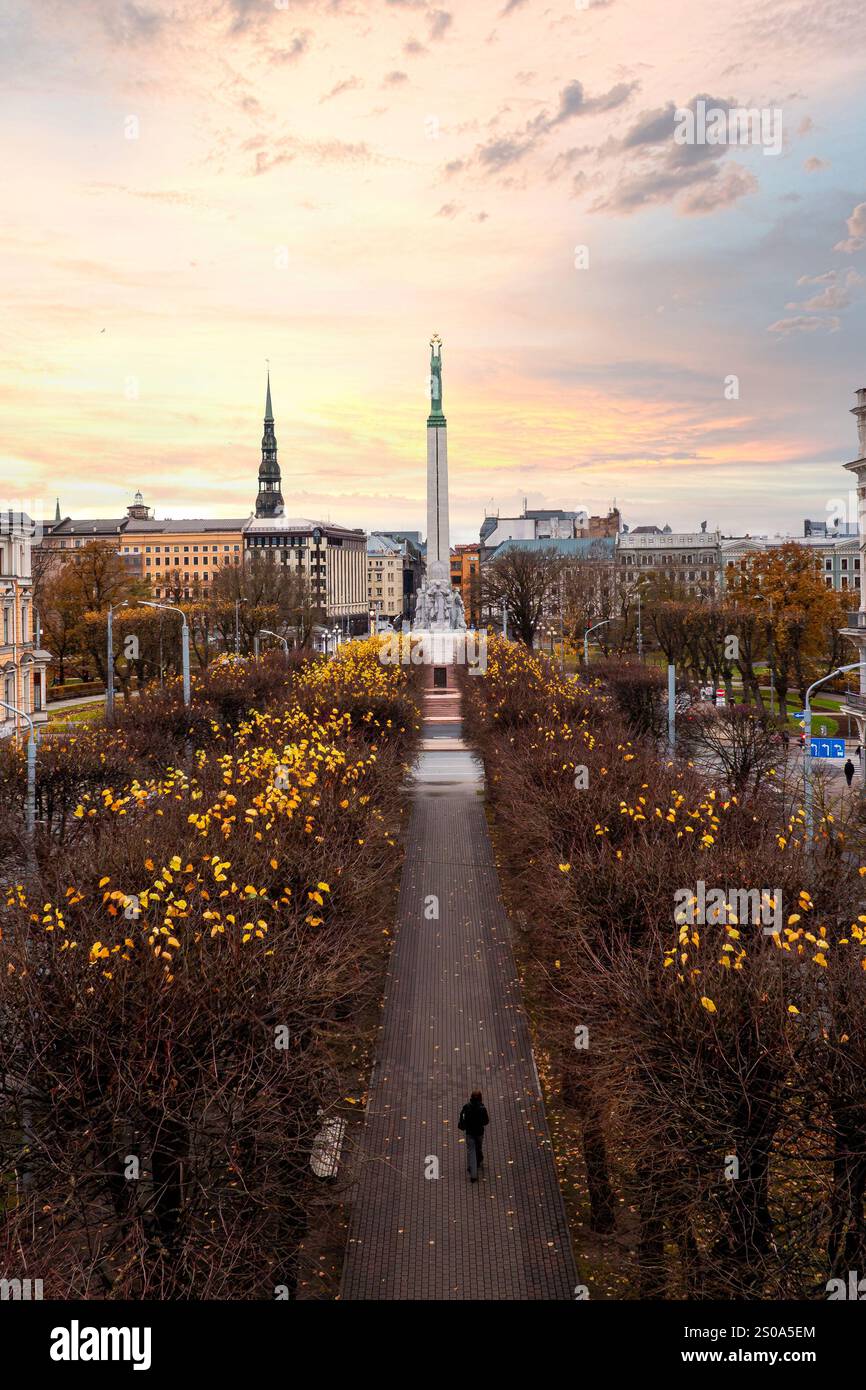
266	632
807	745
184	640
238	602
32	740
504	619
109	679
639	627
586	638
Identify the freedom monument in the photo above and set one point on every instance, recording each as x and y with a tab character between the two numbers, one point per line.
438	608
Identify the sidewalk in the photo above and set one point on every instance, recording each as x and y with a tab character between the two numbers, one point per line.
453	1021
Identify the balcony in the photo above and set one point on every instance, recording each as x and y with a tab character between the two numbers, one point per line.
857	619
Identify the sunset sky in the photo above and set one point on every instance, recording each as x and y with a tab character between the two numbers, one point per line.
325	184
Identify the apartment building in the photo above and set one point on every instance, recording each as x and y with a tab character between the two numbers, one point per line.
23	662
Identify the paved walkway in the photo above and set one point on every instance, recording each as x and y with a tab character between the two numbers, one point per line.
453	1021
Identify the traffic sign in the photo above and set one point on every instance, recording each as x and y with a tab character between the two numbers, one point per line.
827	747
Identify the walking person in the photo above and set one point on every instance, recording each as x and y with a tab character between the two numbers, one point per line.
849	772
473	1118
860	753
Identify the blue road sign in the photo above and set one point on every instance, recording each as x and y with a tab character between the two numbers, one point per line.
827	747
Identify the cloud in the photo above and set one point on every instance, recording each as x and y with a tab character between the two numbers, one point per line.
128	24
692	176
349	84
499	154
836	294
856	238
506	150
833	297
801	324
300	43
813	164
288	148
440	20
448	210
393	79
726	186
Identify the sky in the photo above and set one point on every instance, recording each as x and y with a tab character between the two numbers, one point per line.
194	190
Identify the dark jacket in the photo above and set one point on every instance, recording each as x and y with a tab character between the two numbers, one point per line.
473	1118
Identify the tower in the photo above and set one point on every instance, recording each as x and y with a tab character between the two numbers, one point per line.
269	501
438	538
438	606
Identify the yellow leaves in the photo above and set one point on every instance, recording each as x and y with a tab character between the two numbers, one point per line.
708	1004
820	959
103	881
565	868
792	1009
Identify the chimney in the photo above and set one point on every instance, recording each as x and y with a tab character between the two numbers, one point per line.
860	411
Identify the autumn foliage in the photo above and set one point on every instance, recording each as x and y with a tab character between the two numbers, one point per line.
185	973
711	1071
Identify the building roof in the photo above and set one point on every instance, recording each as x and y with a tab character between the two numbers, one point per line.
661	540
258	525
377	544
196	524
585	546
95	526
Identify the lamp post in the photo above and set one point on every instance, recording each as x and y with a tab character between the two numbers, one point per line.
504	619
238	602
266	632
32	740
639	627
586	638
184	640
807	745
109	675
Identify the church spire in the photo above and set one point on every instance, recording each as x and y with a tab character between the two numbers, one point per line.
269	501
57	516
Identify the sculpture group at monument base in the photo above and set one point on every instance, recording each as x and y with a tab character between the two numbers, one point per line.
438	608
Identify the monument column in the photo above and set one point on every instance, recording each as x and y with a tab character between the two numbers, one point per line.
438	536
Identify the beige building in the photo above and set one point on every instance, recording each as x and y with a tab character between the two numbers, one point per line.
385	559
179	558
22	661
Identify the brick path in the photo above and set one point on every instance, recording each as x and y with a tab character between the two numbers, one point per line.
453	1021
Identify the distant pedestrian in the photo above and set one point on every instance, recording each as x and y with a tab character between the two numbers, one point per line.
473	1118
849	772
786	739
859	753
